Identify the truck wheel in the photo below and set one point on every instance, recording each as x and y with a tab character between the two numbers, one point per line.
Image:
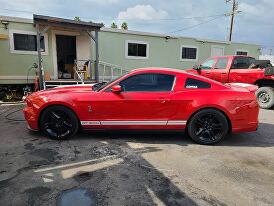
265	97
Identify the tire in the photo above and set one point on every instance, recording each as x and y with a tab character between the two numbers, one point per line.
2	95
265	97
208	126
59	122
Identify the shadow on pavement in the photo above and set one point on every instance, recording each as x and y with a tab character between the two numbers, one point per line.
116	173
263	137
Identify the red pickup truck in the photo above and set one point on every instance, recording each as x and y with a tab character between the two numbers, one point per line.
241	69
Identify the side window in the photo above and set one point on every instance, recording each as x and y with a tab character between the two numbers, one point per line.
242	62
196	84
207	64
148	82
239	52
221	63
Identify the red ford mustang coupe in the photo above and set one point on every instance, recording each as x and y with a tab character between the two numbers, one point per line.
147	99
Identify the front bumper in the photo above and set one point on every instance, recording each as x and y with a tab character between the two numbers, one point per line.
31	118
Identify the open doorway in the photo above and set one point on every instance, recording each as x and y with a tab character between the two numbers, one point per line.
66	54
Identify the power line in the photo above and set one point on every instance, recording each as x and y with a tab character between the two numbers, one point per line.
190	27
22	11
114	18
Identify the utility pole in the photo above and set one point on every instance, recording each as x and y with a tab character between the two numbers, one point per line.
233	13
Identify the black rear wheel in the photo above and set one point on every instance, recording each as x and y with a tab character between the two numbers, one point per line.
59	122
208	126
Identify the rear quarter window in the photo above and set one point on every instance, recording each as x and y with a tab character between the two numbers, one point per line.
196	84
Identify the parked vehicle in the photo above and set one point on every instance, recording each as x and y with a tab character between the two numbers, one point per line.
147	99
241	69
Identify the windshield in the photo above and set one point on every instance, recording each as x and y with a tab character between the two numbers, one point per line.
99	86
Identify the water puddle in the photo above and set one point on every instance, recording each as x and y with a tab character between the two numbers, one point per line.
77	196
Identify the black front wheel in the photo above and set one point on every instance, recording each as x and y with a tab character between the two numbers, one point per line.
59	122
208	126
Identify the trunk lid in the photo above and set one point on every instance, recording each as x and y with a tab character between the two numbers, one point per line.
243	86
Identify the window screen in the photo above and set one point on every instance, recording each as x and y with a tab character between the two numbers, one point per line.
189	53
242	53
195	84
137	50
148	82
27	42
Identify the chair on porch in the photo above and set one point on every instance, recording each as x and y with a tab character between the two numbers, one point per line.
81	69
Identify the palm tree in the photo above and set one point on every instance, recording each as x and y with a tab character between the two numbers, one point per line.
114	25
77	18
124	26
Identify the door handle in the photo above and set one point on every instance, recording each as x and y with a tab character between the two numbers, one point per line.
223	72
207	72
163	100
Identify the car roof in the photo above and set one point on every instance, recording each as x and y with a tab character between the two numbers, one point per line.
229	56
174	72
159	69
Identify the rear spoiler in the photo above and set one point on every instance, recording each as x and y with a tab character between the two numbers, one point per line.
250	87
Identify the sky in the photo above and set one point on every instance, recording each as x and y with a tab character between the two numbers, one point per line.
200	18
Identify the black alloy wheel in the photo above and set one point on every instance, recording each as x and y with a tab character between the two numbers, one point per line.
208	126
59	122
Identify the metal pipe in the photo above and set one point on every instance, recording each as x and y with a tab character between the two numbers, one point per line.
41	72
96	73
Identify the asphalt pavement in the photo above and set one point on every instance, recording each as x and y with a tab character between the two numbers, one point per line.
118	168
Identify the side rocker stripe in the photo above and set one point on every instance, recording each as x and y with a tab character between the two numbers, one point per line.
175	122
130	122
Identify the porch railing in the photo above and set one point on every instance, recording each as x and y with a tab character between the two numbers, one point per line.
108	71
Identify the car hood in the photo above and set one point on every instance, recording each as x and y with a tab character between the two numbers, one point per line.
80	88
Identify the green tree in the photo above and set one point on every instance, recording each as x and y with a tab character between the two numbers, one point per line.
114	25
124	26
77	18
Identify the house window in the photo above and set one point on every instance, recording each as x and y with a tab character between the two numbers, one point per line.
24	42
240	52
189	53
27	42
137	49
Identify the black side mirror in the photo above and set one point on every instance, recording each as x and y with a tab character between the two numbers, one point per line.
196	67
